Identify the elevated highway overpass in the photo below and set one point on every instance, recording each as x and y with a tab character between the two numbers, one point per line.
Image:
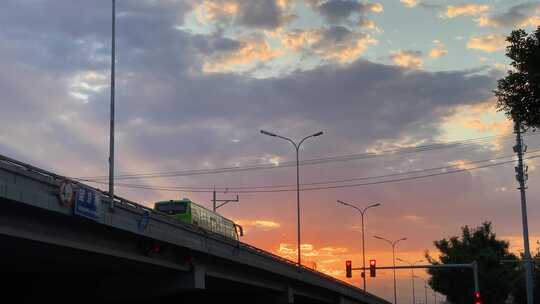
56	245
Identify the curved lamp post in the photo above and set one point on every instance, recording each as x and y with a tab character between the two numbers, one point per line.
362	212
297	148
412	275
425	285
393	244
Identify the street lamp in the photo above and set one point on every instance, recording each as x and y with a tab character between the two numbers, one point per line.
362	211
297	147
393	243
412	275
425	285
111	129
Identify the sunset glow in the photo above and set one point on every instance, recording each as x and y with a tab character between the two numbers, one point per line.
403	91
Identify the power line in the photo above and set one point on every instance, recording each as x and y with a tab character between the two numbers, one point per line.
174	189
339	158
226	188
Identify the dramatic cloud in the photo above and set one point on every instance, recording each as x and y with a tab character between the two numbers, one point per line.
300	39
249	52
336	11
521	15
174	116
487	43
415	59
264	14
336	43
407	59
465	10
340	44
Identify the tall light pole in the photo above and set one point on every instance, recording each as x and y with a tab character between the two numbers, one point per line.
111	137
425	285
412	275
393	243
362	212
297	147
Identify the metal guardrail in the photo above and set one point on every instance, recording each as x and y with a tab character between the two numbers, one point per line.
127	204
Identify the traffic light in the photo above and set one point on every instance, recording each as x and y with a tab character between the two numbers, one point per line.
348	268
372	268
477	298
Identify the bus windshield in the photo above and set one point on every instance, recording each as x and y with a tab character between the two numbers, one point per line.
172	207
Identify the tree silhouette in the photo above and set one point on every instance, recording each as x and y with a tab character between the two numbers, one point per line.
480	245
518	94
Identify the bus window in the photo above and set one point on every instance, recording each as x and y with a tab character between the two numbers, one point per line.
172	207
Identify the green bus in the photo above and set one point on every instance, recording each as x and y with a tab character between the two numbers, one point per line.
189	212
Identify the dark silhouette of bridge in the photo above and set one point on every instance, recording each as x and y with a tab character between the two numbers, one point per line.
54	245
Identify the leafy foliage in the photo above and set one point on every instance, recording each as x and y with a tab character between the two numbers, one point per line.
518	93
480	245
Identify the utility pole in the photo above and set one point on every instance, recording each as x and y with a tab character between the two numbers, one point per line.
223	201
521	177
111	137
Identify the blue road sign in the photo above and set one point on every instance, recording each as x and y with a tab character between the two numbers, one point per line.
88	204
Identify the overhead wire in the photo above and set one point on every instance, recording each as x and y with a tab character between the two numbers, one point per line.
221	188
455	170
339	158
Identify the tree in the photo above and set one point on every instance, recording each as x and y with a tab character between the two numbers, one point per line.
480	245
518	94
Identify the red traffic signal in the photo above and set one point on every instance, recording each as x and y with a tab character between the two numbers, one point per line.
477	298
372	268
348	268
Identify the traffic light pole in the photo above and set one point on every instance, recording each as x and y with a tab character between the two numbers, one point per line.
473	266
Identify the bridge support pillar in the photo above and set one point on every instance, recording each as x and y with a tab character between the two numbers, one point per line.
286	297
195	279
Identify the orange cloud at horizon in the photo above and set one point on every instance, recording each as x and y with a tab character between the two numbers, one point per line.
331	260
264	225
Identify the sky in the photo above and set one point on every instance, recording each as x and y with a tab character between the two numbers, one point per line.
396	87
